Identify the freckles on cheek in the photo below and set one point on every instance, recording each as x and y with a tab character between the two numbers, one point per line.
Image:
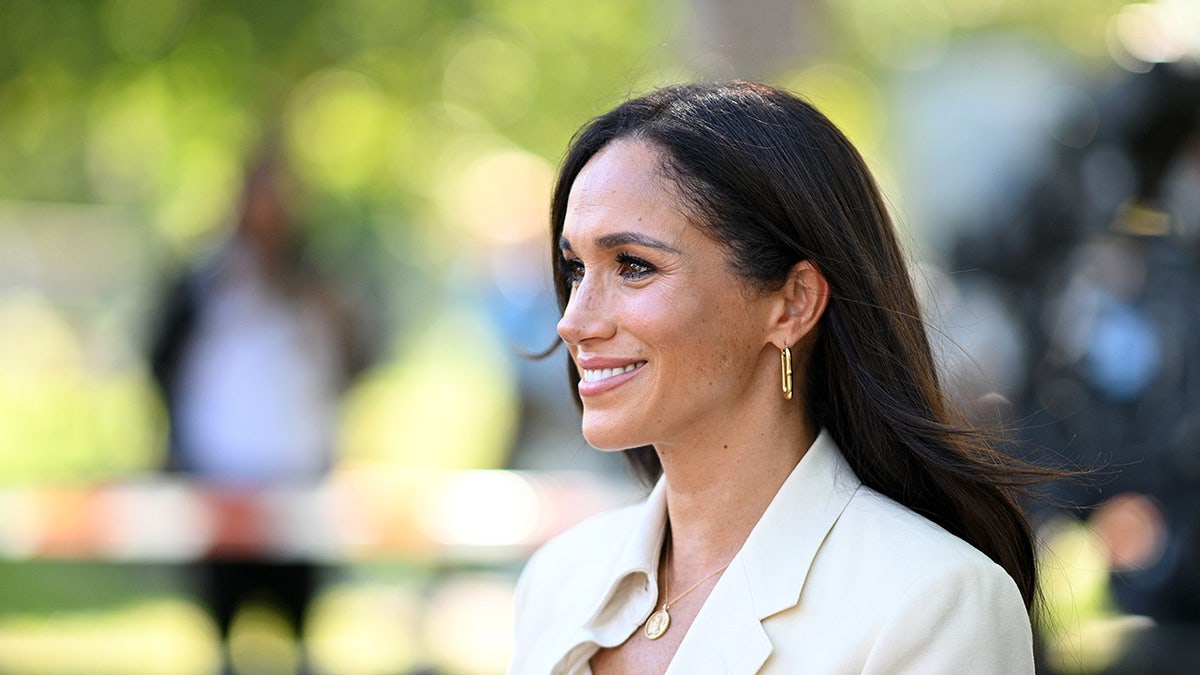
735	354
704	373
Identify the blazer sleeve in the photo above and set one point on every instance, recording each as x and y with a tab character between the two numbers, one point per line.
970	620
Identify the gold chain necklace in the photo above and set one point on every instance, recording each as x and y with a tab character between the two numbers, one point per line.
660	621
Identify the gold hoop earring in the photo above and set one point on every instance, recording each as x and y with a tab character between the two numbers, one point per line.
785	364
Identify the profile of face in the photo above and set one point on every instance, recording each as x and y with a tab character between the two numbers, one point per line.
666	337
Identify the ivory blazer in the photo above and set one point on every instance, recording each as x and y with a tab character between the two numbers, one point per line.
834	578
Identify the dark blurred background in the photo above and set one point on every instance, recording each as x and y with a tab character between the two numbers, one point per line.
1041	159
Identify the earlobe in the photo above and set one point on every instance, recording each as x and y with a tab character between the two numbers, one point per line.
805	295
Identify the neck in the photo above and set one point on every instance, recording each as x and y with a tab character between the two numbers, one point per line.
719	488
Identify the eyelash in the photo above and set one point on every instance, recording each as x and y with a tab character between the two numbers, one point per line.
631	268
628	262
571	270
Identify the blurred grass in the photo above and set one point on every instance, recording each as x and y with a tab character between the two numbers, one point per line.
48	586
59	618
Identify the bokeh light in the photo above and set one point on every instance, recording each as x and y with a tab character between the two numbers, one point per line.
1158	32
482	508
337	126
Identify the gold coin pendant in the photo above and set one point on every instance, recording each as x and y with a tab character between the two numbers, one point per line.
657	624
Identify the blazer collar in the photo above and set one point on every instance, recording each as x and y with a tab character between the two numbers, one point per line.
767	575
620	573
639	556
764	578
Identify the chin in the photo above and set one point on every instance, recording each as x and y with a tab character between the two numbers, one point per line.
607	443
609	437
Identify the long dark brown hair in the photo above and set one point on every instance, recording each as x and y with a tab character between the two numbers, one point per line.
775	182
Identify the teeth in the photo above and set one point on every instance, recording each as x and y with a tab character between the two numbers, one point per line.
605	373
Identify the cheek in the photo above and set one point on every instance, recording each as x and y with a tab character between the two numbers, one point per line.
714	347
702	333
658	319
733	343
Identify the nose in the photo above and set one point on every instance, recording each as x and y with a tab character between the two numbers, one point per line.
587	316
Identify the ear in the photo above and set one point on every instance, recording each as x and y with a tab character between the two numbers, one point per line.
802	303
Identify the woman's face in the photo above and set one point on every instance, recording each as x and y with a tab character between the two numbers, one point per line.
667	340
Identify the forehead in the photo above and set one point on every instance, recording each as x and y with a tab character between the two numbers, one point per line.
622	164
623	185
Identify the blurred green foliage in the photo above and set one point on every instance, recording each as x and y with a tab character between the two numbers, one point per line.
156	103
406	123
153	107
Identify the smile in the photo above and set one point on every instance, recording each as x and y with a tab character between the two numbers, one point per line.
605	373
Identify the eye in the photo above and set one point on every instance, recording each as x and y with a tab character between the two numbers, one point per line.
570	269
632	267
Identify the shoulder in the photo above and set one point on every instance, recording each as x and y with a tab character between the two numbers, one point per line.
923	599
949	608
899	550
872	520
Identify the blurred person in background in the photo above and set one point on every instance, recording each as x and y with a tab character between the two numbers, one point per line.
252	353
740	322
1099	264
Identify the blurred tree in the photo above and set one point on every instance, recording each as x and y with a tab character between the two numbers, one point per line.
151	106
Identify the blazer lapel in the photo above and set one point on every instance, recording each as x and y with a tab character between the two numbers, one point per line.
768	574
727	635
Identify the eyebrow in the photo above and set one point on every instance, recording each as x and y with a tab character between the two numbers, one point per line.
610	241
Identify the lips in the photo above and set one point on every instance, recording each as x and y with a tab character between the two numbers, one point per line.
597	378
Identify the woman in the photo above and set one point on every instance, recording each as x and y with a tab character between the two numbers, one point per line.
741	322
